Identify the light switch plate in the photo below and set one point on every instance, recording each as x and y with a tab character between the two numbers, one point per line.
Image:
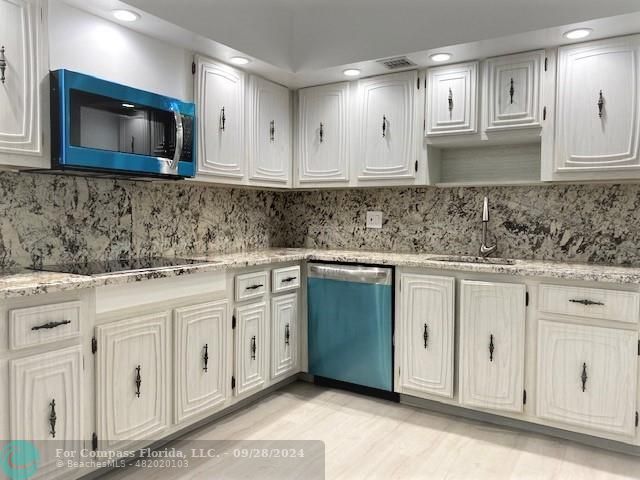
374	219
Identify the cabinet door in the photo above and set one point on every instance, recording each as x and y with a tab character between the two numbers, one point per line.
598	107
492	325
251	348
284	336
220	91
132	378
512	91
22	91
269	133
452	99
323	134
387	124
46	404
426	332
587	376
202	344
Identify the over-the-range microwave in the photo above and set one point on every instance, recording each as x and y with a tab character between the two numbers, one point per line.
106	128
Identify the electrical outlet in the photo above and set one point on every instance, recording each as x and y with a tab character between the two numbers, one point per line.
374	219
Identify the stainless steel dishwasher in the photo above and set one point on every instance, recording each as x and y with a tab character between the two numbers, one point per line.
351	324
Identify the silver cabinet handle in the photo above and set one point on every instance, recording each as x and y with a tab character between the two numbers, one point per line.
600	104
3	64
179	140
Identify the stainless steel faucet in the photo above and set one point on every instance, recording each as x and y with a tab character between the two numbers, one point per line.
486	250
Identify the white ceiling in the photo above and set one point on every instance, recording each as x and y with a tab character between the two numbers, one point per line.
306	35
305	42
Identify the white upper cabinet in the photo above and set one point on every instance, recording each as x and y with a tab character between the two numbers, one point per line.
387	121
269	133
23	86
451	101
426	335
512	87
492	350
587	376
323	135
219	94
598	110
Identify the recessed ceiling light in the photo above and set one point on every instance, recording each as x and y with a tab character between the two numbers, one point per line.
239	60
126	15
351	72
440	57
577	33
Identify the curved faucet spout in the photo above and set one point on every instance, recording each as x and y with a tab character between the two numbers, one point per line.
486	250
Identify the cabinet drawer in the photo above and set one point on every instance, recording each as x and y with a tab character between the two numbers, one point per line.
587	376
43	324
287	278
251	285
590	303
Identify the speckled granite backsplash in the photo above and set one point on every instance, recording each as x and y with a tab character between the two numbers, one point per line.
56	219
584	223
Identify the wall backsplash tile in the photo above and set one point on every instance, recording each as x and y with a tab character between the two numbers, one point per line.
583	223
49	219
56	219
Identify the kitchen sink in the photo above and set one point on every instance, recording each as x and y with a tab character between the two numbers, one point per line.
478	260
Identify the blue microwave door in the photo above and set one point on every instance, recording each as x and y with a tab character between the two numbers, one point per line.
100	125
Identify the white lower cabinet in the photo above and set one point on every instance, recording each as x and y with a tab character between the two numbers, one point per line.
284	336
426	335
202	370
46	404
132	378
492	349
587	376
251	348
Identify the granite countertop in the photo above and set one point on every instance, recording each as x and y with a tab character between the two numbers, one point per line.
25	282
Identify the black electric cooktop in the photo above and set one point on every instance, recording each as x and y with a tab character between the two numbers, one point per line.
113	266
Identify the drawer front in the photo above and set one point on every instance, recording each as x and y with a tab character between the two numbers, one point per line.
587	376
43	324
287	278
251	285
590	303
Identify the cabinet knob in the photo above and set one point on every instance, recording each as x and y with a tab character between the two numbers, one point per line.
491	348
138	381
53	418
3	64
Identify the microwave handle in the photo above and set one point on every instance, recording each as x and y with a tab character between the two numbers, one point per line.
179	140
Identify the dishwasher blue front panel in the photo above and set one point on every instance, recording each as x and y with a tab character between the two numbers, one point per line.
350	332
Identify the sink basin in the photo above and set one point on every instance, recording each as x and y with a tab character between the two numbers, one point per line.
478	260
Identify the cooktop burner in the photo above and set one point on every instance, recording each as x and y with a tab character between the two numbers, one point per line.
112	266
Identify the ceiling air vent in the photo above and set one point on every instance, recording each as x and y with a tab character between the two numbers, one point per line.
396	63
